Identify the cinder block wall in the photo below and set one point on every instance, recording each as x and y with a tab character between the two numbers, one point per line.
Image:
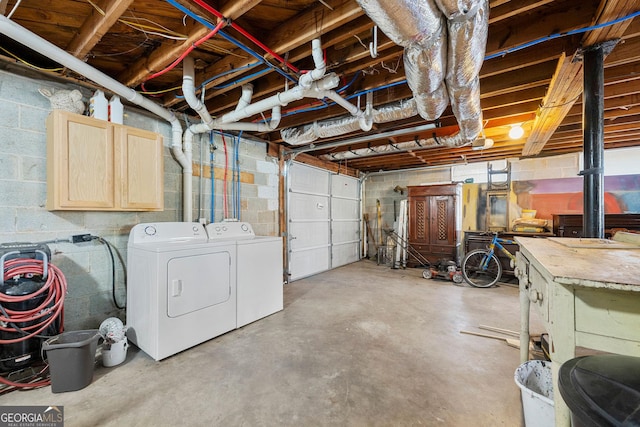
87	267
380	186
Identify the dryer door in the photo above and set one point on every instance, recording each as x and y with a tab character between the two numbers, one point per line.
197	281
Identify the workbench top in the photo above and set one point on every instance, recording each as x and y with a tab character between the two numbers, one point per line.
588	262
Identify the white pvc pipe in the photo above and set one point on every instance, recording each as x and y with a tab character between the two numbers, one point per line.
38	44
320	66
245	97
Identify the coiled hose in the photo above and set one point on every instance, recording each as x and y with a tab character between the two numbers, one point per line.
51	308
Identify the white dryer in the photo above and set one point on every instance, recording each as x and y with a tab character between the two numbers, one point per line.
259	270
181	287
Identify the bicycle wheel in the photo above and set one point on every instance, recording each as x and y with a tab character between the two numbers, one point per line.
479	271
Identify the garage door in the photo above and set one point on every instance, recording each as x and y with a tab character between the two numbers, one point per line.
323	220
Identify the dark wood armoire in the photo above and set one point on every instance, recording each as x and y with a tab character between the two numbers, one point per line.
435	222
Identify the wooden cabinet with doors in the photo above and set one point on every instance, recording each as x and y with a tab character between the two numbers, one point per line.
97	165
435	222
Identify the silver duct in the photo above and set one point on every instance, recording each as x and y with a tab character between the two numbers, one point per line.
444	43
346	124
445	141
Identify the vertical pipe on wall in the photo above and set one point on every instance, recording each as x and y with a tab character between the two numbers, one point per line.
593	116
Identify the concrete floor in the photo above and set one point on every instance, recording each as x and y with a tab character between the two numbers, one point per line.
362	345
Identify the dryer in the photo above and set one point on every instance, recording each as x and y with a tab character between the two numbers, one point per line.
181	287
259	270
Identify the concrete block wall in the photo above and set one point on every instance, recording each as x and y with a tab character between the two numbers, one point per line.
259	199
87	266
379	186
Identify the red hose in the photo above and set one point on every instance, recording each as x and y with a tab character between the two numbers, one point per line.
56	286
52	306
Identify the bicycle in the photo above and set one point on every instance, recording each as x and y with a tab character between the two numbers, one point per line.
481	267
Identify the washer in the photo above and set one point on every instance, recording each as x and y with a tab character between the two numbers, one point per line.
181	287
259	270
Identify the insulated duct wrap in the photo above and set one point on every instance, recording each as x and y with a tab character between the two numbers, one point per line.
444	43
346	124
445	141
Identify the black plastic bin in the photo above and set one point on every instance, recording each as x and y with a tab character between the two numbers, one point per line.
71	356
602	390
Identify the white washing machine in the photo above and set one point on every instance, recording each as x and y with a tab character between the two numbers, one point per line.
259	270
181	287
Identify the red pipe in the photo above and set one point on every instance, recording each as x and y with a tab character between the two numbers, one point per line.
213	32
249	36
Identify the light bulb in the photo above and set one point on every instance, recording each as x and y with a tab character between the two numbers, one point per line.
516	132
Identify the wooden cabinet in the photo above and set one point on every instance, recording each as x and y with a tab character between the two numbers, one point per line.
435	221
570	225
97	165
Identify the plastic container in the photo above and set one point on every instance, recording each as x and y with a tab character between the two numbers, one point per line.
116	110
98	106
115	353
536	390
71	357
602	390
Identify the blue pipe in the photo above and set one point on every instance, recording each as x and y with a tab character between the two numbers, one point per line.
241	79
254	54
211	26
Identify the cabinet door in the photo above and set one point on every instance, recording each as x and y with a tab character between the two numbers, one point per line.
442	220
419	228
80	153
142	169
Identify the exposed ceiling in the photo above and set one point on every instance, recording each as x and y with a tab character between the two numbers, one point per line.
539	86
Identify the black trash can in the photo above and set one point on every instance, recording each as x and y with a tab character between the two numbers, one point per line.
602	390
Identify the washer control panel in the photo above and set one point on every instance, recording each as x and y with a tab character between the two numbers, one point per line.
230	230
167	232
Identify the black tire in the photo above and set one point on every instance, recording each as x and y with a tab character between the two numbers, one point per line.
475	275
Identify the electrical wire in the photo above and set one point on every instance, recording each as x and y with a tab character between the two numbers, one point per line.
113	271
227	37
188	51
16	57
15	7
247	35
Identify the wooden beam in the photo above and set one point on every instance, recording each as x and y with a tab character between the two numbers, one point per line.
166	54
96	26
566	85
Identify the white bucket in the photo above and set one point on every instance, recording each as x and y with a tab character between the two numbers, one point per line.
536	389
114	354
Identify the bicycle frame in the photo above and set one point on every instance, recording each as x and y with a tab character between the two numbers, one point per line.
496	242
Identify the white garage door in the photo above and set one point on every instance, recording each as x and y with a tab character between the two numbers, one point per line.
323	220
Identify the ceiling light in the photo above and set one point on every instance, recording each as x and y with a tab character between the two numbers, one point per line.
482	144
516	132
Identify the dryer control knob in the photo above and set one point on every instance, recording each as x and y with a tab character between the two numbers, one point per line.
150	230
224	228
195	228
244	227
